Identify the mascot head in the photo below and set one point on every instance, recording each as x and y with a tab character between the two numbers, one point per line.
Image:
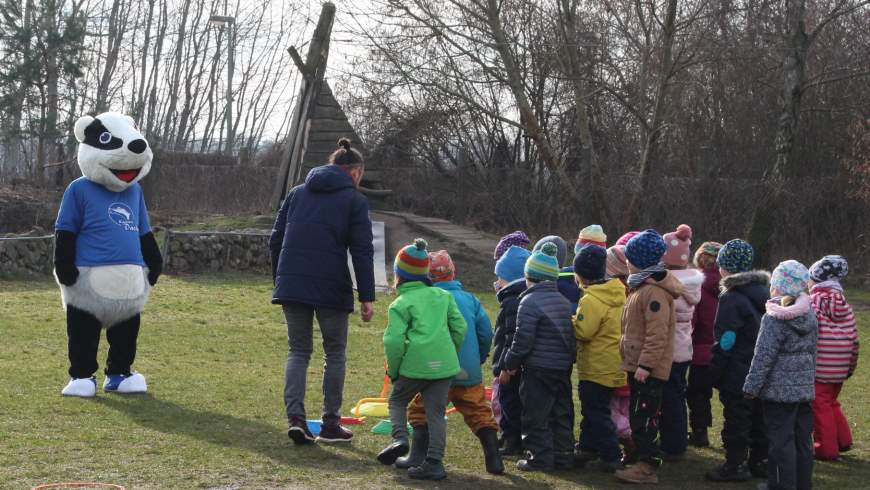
112	152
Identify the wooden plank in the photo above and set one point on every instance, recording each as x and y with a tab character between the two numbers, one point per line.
313	72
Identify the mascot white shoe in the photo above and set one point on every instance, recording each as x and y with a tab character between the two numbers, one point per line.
84	388
106	258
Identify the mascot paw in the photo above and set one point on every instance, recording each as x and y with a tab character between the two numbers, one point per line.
82	387
67	275
119	383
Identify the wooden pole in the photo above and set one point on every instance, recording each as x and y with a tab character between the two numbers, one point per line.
312	79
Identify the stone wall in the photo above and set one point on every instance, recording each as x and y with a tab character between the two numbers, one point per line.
26	256
187	252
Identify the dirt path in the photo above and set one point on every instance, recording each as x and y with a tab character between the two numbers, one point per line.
470	249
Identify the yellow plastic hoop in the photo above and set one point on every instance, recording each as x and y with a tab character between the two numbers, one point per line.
78	484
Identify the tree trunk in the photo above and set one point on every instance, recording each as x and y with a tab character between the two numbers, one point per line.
762	228
115	36
634	214
595	205
515	82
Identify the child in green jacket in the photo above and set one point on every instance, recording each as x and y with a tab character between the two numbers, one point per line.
421	344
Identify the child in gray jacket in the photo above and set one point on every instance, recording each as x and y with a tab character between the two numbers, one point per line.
782	375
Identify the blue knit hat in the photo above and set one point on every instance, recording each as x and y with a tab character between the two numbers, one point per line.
590	263
645	249
543	265
561	247
736	256
790	278
511	266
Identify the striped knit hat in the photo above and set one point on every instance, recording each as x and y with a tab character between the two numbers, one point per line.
593	234
543	265
412	262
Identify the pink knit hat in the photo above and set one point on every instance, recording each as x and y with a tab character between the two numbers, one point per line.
617	265
679	247
625	238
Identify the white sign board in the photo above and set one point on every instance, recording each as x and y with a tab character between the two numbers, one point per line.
380	258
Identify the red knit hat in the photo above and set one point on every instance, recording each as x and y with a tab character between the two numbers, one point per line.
441	268
623	240
679	247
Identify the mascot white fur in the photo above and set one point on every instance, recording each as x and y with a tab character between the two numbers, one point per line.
106	258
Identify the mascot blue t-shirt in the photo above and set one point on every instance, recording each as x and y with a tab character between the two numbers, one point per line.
113	223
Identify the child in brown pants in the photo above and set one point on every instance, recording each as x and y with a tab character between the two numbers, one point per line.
467	392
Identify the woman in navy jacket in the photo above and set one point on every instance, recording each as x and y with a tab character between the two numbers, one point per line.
318	223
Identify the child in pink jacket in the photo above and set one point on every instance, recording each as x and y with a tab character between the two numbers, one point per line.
674	423
837	356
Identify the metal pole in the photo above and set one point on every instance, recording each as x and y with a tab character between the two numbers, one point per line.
231	65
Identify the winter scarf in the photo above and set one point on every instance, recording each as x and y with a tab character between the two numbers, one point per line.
635	280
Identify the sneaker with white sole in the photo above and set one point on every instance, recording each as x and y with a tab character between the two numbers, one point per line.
81	387
334	433
299	432
119	383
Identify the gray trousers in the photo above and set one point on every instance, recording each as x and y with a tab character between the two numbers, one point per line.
434	393
333	330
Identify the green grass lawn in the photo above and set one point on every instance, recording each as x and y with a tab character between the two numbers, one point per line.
213	349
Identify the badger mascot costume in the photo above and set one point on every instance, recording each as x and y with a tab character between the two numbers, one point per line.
106	258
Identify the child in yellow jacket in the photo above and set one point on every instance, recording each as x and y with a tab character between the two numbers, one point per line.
597	328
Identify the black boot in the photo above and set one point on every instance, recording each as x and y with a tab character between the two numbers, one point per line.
489	441
513	447
391	453
430	470
699	438
419	448
728	472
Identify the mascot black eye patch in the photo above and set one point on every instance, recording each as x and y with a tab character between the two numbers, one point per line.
95	135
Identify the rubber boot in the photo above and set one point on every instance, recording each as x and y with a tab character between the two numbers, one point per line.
489	440
513	447
430	470
419	448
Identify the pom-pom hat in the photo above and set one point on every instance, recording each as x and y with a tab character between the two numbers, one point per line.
412	262
679	245
543	264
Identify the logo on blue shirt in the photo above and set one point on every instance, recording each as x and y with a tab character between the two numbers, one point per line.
122	215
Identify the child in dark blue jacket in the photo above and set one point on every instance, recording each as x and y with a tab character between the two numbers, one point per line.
510	285
544	347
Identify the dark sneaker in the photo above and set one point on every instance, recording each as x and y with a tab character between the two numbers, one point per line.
530	465
334	433
699	438
730	472
299	432
429	470
758	469
397	449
